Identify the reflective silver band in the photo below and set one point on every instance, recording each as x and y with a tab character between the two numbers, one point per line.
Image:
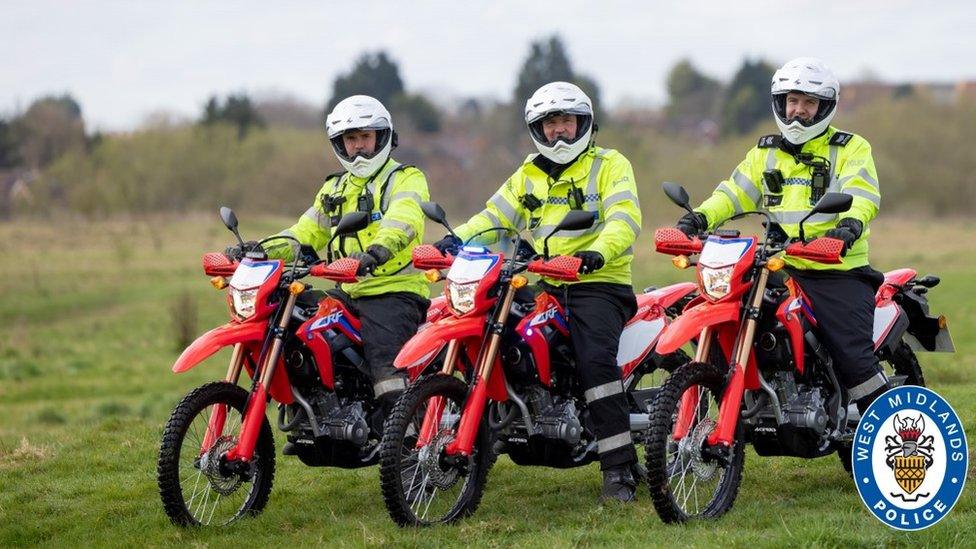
746	185
605	445
591	184
543	231
621	196
415	196
863	174
397	224
381	177
389	385
504	207
854	191
528	185
602	391
796	216
864	389
628	251
771	159
833	162
625	217
736	206
316	216
492	218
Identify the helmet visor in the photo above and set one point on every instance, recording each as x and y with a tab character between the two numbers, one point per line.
383	136
583	122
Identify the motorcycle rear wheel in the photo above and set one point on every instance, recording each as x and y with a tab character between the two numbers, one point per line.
194	488
685	484
419	487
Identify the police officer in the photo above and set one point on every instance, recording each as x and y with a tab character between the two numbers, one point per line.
785	175
393	302
571	172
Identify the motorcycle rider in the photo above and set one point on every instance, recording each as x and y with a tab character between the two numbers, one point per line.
571	172
393	302
785	175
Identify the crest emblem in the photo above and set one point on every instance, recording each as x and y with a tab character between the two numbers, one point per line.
909	455
910	458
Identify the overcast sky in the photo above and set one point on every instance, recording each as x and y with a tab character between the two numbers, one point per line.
123	60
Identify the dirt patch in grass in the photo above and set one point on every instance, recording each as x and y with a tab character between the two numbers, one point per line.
22	454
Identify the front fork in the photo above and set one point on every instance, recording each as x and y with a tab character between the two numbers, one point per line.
474	405
728	415
215	425
257	403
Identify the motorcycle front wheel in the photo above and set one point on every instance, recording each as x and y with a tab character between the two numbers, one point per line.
196	485
421	484
686	480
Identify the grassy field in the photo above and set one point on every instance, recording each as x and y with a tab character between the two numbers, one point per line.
87	339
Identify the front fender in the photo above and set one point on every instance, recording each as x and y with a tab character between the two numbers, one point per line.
216	339
691	322
426	345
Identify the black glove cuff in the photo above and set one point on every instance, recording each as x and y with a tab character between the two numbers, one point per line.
853	225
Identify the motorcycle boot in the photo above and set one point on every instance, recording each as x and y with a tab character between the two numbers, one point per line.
619	484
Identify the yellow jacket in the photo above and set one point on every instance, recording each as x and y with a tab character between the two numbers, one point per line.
852	171
397	224
605	179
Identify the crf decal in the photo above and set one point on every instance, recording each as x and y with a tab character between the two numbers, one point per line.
544	317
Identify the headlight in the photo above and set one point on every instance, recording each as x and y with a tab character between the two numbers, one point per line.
716	281
461	296
244	301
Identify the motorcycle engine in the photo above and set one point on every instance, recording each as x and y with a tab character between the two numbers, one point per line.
804	431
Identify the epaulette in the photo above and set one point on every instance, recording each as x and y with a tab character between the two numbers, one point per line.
841	139
769	141
337	174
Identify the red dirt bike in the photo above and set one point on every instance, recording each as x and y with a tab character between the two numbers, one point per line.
760	374
506	382
217	457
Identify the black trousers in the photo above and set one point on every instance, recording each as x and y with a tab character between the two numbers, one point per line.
843	304
388	322
597	314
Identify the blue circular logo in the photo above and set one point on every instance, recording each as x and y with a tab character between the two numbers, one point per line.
910	458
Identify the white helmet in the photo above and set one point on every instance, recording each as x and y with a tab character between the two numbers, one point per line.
560	98
361	112
812	77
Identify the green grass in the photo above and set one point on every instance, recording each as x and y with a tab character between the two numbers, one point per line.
86	343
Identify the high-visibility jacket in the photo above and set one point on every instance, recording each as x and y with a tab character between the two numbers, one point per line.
851	171
604	180
397	224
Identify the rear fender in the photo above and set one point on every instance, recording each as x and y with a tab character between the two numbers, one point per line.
218	338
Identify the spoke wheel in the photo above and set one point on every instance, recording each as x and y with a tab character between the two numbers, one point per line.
421	484
195	483
686	480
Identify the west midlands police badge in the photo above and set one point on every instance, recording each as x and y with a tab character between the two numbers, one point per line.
910	458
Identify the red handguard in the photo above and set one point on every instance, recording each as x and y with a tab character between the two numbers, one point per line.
426	256
563	267
342	270
821	250
217	264
671	241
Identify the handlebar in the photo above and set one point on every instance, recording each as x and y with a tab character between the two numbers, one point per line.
672	241
562	267
217	264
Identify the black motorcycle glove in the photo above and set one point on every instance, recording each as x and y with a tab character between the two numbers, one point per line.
448	245
692	223
848	230
367	263
236	253
592	261
373	257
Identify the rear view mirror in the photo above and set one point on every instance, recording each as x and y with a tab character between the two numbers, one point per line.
677	194
833	203
434	212
574	221
352	223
